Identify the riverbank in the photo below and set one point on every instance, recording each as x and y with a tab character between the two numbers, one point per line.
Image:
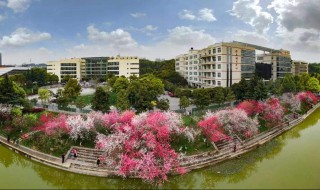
189	162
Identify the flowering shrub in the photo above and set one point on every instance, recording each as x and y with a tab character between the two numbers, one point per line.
226	123
251	107
307	99
141	144
273	112
51	125
79	127
292	102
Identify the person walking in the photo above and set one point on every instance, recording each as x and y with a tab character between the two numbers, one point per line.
98	162
62	156
235	146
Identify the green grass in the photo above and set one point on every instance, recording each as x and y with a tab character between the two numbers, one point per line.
87	98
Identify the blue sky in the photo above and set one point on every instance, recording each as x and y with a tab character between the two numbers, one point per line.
43	30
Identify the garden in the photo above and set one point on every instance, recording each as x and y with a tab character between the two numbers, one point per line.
149	144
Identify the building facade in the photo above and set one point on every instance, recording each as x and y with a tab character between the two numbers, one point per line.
188	66
124	66
94	67
299	67
224	64
72	67
280	61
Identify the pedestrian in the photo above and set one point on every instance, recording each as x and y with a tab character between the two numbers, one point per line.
8	138
74	151
62	156
235	147
98	162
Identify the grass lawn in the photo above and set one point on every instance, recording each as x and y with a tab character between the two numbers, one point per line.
87	98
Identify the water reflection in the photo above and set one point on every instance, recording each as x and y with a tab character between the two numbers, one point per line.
231	172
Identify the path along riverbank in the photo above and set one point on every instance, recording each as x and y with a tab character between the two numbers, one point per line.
85	163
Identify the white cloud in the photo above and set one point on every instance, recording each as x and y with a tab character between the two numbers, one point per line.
204	14
18	6
118	38
177	41
138	15
150	28
183	35
22	37
298	24
250	12
252	38
187	15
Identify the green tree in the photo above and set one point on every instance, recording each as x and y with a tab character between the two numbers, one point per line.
163	104
37	75
299	83
184	102
44	95
100	101
121	83
260	91
275	87
288	83
313	85
10	92
229	95
80	103
19	79
219	95
240	89
52	78
72	89
66	78
200	98
122	102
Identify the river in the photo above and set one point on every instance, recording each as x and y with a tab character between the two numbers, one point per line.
289	161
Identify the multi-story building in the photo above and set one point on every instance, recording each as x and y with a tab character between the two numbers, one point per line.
224	64
299	67
72	67
124	66
280	61
94	67
188	66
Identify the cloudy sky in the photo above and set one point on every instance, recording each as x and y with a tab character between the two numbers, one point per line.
43	30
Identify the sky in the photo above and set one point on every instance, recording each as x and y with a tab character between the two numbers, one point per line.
38	31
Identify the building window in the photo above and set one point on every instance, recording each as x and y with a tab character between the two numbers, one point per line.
177	64
195	62
219	83
214	51
209	51
219	50
195	73
219	75
214	82
219	66
214	74
219	58
195	56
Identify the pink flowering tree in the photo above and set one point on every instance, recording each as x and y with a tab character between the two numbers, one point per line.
273	113
79	127
251	107
51	125
308	99
291	102
140	144
226	123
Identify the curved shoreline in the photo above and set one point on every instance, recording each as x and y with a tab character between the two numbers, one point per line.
192	162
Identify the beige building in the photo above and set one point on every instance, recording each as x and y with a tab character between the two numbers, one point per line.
124	66
224	64
299	67
188	66
72	67
94	67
